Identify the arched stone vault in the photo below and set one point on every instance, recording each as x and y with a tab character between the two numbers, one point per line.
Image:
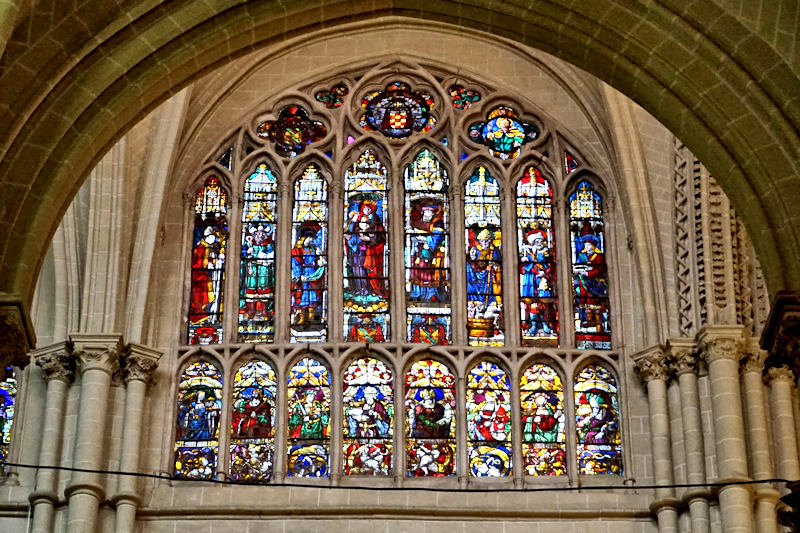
74	82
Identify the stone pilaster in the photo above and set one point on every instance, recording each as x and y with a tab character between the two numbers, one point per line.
766	497
138	364
58	364
684	359
720	346
651	367
98	360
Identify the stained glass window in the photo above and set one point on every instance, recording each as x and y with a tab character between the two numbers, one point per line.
489	421
366	251
597	421
543	422
252	443
309	294
538	304
257	266
334	97
427	251
397	111
589	269
483	241
309	405
461	97
368	418
197	423
503	132
292	131
570	163
8	397
430	420
209	248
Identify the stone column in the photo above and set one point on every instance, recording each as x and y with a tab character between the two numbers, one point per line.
766	497
652	370
139	362
781	381
720	346
98	359
57	368
684	363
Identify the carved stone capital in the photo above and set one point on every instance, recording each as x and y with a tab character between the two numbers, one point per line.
139	362
721	343
16	333
683	355
781	336
97	352
780	373
651	364
56	362
753	359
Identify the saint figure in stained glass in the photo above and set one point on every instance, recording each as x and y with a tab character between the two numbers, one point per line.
368	418
253	422
308	419
503	133
197	421
597	421
543	422
489	421
430	420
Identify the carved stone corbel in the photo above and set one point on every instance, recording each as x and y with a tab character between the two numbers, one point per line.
16	334
781	336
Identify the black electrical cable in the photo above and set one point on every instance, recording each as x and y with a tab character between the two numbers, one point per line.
419	489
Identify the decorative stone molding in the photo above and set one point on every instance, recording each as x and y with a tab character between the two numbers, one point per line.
139	362
683	355
56	362
720	343
781	336
17	334
651	364
97	352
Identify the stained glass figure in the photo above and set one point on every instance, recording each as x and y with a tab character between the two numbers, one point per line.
503	133
292	131
368	418
397	111
463	98
589	269
427	253
334	97
252	445
309	405
209	248
309	294
483	241
8	397
570	163
597	421
257	266
543	422
366	251
489	421
430	420
537	270
197	421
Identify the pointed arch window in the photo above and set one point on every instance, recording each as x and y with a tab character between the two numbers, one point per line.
489	421
543	422
537	260
197	424
430	420
309	293
483	239
209	249
309	417
366	251
257	266
597	421
368	402
252	445
589	269
427	250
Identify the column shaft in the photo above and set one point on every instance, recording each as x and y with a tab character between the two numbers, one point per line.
785	436
129	462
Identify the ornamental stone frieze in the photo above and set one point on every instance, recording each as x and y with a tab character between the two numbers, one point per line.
56	362
97	351
16	332
651	364
139	362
